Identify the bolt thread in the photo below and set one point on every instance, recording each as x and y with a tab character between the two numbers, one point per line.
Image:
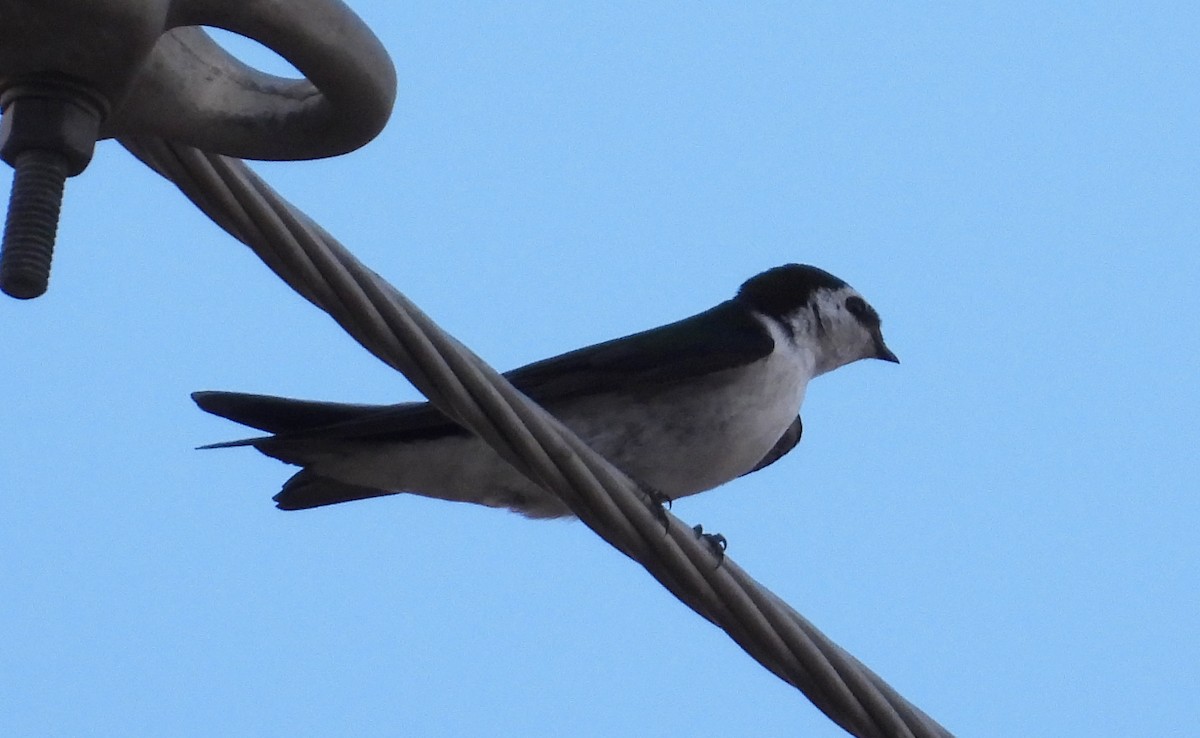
33	209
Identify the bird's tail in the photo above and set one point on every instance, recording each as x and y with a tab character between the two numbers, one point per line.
285	416
306	490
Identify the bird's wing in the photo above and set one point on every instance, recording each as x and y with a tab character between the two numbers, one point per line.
786	443
306	419
278	414
724	337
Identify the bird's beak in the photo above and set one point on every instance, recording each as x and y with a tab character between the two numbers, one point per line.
885	353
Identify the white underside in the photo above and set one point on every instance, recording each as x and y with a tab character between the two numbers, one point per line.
685	440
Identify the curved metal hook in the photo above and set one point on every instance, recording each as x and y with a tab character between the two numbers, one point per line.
157	73
193	91
73	71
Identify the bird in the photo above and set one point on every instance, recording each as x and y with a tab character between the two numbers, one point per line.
681	408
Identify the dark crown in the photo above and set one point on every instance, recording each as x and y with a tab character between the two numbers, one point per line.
779	291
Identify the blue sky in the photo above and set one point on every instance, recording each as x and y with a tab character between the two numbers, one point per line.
1003	526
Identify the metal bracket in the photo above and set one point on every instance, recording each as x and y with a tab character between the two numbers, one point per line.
74	71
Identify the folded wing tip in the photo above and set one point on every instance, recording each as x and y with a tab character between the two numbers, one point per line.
232	444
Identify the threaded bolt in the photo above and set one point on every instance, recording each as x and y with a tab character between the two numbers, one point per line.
33	208
47	133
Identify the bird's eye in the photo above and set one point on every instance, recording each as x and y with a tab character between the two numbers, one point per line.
863	312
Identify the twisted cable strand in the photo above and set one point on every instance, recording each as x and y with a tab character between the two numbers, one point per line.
460	384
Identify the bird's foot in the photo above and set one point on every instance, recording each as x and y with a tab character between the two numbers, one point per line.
716	542
660	502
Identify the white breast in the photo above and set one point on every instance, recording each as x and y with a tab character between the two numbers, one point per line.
680	441
705	432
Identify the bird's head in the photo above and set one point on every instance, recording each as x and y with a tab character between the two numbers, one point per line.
821	311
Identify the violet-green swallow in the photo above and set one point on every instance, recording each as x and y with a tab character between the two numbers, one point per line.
681	408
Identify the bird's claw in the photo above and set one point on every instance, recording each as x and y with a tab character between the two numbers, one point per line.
716	542
660	502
